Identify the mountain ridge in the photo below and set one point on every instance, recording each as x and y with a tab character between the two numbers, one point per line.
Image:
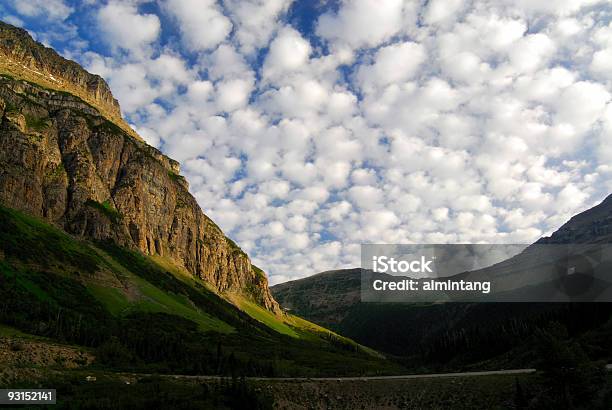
26	59
593	224
64	157
449	334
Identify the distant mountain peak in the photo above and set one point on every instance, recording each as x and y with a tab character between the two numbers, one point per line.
327	297
592	225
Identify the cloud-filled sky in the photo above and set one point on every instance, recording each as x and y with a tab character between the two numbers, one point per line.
306	128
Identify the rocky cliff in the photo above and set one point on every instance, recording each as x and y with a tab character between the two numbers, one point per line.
62	158
23	58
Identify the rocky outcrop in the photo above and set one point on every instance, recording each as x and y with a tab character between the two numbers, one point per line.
23	58
63	160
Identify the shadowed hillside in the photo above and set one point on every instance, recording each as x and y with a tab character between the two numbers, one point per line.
456	335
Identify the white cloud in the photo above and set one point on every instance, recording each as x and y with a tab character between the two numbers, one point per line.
486	122
201	22
602	63
581	104
546	85
440	11
256	20
559	7
131	87
297	241
392	64
362	23
341	105
366	197
530	52
233	94
14	20
571	197
225	62
289	51
169	67
51	9
499	33
440	214
126	28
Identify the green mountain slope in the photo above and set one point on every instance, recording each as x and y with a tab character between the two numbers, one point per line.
457	335
448	336
67	157
102	245
141	315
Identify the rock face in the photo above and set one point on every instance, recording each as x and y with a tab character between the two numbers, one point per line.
23	58
63	160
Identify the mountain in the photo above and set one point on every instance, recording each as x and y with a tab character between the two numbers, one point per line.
454	334
325	298
25	58
67	159
591	226
102	246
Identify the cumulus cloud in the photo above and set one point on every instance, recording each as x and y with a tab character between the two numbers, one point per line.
485	122
440	11
581	104
255	20
233	94
392	64
364	22
125	28
201	23
602	62
289	51
51	9
531	52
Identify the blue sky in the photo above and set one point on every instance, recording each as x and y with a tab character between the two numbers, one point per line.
306	128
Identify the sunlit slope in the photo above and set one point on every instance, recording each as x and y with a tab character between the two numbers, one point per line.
286	324
101	276
85	293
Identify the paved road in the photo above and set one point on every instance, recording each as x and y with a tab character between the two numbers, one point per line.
365	378
408	376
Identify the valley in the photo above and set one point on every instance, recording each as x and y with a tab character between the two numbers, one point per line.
118	289
78	381
457	336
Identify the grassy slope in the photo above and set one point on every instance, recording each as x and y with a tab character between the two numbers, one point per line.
264	316
287	324
56	286
54	244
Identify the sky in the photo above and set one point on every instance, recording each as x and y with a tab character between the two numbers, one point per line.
306	128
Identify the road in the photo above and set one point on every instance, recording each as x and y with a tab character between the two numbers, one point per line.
354	378
363	378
